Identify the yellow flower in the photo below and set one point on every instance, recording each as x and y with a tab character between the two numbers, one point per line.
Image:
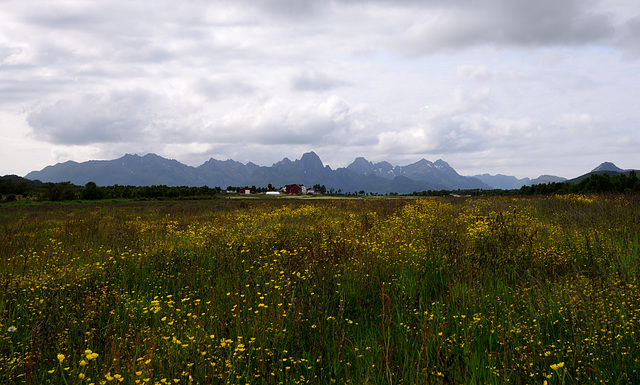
60	357
108	376
51	371
83	363
92	356
557	366
81	376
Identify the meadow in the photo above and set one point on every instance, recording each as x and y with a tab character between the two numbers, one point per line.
499	290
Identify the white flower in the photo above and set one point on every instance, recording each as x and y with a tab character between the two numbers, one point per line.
12	329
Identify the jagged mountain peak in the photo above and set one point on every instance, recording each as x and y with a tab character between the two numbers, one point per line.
361	161
423	161
361	166
311	161
284	161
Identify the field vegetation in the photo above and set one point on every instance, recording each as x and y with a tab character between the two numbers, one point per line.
497	290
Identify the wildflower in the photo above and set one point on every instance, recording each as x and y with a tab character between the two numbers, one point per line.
92	356
12	329
60	357
81	376
557	366
83	363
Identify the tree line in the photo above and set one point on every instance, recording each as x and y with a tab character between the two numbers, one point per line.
13	188
594	184
622	183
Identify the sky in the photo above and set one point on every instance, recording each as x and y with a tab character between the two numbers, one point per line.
515	87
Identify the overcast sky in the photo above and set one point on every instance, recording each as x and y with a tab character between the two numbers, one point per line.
516	87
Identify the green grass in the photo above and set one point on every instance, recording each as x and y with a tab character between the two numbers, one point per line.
381	291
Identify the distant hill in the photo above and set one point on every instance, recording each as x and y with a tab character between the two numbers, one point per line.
607	166
13	184
547	179
604	168
152	169
132	170
506	182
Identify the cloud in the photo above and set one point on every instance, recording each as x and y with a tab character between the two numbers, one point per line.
340	76
471	123
278	122
223	88
628	36
461	24
315	81
482	73
117	116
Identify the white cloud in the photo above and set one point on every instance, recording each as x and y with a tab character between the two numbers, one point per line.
277	122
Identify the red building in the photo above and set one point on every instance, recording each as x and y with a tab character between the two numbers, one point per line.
246	190
292	189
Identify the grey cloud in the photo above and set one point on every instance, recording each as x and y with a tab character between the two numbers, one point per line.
117	116
217	89
13	91
629	36
290	8
315	81
6	52
458	25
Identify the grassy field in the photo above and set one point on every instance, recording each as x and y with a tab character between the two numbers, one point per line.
363	291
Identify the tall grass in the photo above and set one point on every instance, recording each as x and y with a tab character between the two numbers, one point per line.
382	291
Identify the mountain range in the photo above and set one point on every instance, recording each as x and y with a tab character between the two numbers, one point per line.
361	174
309	170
